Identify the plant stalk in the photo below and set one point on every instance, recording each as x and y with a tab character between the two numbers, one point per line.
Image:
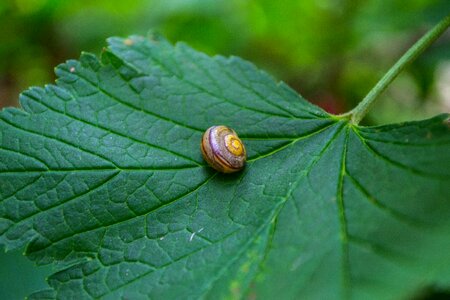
358	113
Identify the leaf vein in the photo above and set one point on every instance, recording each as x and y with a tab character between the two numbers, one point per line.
345	259
200	88
153	210
109	130
376	153
32	132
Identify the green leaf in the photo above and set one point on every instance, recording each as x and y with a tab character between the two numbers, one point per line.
103	175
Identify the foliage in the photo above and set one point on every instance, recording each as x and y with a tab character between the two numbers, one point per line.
102	173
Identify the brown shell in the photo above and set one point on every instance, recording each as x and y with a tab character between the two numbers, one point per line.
223	150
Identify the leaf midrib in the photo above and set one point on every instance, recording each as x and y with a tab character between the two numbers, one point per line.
167	203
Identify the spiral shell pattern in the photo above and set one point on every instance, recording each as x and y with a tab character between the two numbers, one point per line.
223	150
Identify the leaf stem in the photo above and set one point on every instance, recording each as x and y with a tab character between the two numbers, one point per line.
358	113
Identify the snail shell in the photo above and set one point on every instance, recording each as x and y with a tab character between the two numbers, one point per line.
223	150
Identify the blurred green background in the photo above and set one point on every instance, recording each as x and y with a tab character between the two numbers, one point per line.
330	51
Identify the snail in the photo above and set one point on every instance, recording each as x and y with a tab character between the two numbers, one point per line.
223	150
